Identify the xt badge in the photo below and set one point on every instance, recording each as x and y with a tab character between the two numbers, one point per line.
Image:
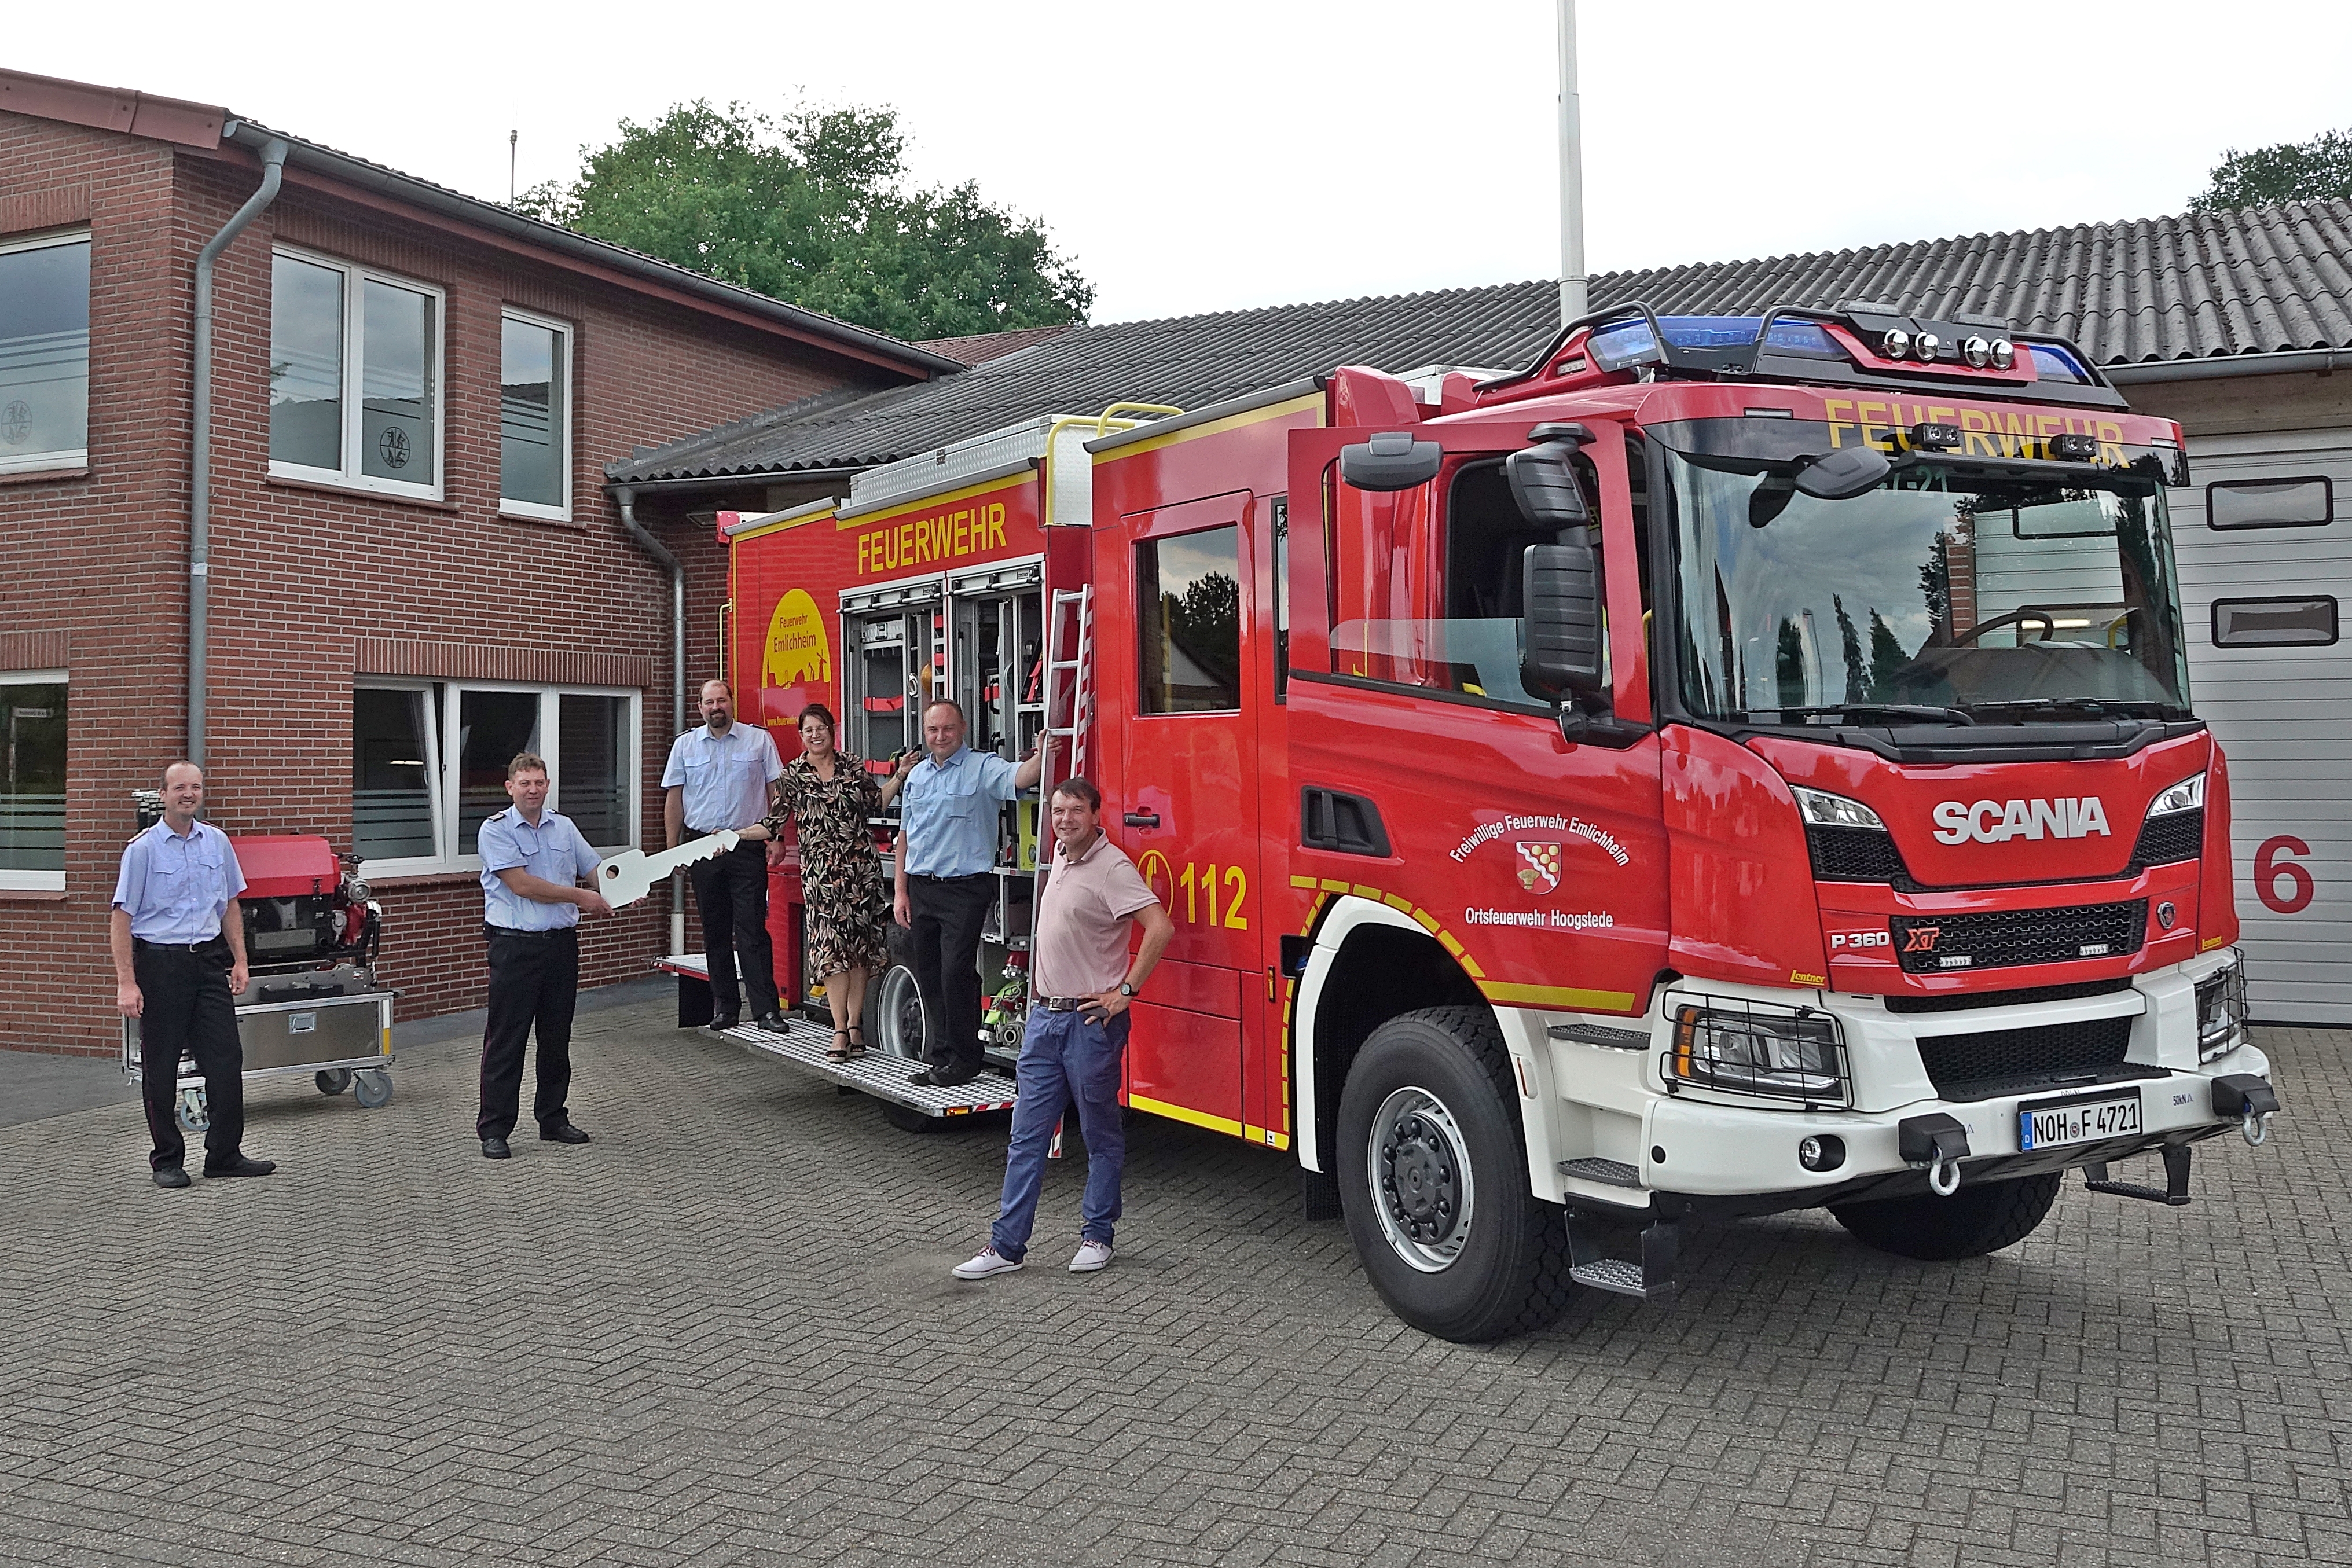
1921	938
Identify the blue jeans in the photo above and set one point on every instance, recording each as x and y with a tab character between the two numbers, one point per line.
1064	1056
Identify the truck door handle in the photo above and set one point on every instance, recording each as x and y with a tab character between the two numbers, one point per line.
1142	818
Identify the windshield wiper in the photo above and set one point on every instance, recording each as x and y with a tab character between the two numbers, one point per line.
1892	710
2093	705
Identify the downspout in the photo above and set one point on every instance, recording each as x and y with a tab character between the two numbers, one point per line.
626	498
200	491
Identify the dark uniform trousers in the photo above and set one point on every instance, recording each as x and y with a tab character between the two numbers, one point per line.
945	914
730	889
187	1007
534	980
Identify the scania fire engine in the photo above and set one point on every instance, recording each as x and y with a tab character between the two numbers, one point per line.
1733	764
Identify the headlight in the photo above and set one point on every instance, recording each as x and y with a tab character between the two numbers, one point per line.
2222	1009
1757	1048
2189	795
1826	810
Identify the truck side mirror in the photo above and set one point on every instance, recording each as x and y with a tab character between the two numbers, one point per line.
1563	621
1843	474
1392	460
1543	484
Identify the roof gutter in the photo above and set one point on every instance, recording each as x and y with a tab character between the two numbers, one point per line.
807	325
200	457
2315	361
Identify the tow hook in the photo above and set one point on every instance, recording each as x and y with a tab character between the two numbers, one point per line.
2250	1099
1936	1144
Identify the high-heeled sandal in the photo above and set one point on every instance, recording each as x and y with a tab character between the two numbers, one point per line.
838	1051
856	1040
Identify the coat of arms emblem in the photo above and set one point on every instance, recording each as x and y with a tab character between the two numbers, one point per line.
1538	864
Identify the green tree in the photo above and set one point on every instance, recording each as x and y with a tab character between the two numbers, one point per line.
2313	171
812	207
1886	657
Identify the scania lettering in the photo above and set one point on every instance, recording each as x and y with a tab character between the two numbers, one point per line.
1732	765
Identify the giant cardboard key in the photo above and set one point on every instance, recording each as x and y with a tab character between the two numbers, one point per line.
628	876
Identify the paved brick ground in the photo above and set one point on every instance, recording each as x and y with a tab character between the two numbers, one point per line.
724	1334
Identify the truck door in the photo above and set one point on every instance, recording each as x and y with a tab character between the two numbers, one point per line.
1173	632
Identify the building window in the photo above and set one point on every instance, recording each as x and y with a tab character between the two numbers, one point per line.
535	417
429	763
1189	590
44	353
33	778
355	377
2284	622
2306	503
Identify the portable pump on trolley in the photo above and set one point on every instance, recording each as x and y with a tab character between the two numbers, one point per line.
311	1004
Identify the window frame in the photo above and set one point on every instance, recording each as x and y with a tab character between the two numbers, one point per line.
65	457
563	331
38	881
442	743
2334	618
2327	489
1147	620
352	476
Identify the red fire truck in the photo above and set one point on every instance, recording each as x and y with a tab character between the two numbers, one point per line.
1733	764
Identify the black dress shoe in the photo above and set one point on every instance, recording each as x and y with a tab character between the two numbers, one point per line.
723	1021
562	1132
171	1177
239	1166
921	1078
772	1021
948	1076
494	1149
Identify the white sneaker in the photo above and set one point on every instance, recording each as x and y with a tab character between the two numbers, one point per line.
988	1260
1092	1255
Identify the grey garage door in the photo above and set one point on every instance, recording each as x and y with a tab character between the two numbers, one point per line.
2265	553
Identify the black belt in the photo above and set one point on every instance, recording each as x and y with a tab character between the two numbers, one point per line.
210	944
702	832
1065	1004
920	876
490	930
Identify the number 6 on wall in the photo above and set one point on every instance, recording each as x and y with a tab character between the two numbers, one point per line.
2269	870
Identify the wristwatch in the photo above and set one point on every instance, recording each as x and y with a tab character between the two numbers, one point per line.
1125	990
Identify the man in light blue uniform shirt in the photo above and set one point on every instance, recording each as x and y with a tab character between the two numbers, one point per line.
944	885
724	775
533	861
178	937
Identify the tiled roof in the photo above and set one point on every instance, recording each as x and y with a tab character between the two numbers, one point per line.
982	347
2202	286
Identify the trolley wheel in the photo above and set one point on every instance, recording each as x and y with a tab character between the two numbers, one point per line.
192	1111
372	1087
333	1080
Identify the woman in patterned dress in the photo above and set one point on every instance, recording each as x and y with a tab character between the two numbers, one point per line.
829	796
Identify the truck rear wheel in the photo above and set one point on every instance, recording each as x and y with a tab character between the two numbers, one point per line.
1433	1182
1970	1223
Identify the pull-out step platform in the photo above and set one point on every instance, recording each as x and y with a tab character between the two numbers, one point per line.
877	1073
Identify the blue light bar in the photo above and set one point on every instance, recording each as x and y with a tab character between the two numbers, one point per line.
1624	343
2052	363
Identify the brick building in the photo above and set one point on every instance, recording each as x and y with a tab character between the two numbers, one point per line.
415	566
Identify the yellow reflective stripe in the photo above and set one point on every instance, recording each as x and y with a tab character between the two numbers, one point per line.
867	519
1217	427
764	529
1570	997
1308	883
1225	1124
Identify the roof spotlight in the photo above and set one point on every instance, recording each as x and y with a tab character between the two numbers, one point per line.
1897	343
1977	353
1925	346
2004	353
2074	448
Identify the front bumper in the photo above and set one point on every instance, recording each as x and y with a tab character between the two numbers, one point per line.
1708	1151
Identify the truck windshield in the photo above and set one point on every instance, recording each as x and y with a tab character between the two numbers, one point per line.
1943	595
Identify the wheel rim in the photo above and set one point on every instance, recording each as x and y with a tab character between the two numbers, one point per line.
1421	1182
899	1004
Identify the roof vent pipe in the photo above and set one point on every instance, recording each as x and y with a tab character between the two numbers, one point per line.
626	499
200	456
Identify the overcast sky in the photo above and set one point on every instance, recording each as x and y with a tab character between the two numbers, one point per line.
1216	156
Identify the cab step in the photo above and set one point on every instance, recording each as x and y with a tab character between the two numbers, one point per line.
2174	1192
1609	1173
1651	1279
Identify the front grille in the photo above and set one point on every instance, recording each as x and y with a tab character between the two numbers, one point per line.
1945	944
2176	836
1962	1001
2003	1060
1854	854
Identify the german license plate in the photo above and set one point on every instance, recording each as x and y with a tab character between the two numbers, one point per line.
2082	1119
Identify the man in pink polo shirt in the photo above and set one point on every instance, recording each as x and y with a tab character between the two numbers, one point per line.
1078	1030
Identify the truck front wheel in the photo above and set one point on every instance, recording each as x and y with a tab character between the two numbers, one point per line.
1433	1181
1970	1223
